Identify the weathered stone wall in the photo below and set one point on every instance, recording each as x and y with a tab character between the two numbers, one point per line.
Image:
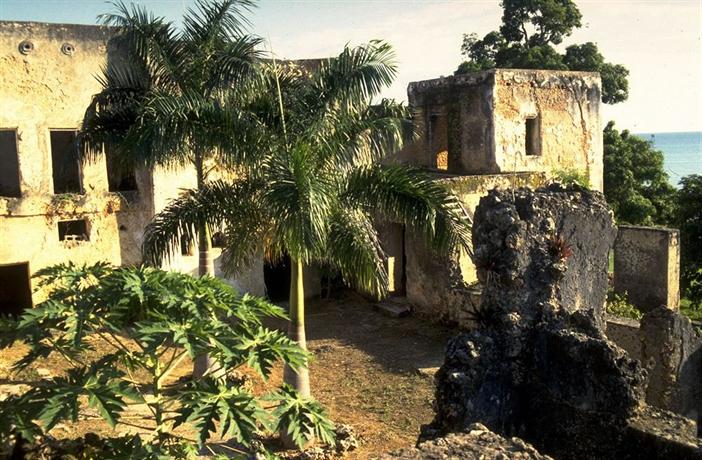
647	266
672	348
482	117
455	115
48	88
625	333
539	365
567	109
443	287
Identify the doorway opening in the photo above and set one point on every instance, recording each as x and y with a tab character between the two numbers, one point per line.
15	289
276	276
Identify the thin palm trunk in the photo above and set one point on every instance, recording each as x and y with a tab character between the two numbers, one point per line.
205	264
299	379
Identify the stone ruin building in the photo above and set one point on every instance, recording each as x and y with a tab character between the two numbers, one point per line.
495	128
501	128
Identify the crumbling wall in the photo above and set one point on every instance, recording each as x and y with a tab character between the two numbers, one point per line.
444	288
47	78
625	333
539	365
485	118
647	266
566	109
476	443
461	107
672	348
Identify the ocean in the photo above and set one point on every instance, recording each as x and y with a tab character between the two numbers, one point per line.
682	152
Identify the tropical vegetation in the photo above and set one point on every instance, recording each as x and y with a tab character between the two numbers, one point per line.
177	96
635	182
122	332
688	218
319	183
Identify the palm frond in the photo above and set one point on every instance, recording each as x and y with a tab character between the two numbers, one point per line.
215	204
150	42
113	111
236	64
354	250
210	21
357	74
351	139
411	197
301	199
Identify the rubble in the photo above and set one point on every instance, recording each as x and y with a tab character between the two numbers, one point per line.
539	365
476	443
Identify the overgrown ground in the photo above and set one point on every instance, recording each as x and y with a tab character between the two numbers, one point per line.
364	372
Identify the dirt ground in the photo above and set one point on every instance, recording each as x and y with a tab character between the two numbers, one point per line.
364	372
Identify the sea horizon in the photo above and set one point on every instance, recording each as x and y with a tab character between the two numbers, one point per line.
682	152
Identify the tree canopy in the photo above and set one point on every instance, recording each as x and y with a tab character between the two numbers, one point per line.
689	221
526	39
635	183
320	183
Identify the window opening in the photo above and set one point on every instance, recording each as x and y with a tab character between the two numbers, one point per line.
120	178
532	136
65	162
73	230
438	140
9	164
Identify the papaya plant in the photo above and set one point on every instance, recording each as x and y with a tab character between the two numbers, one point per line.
149	321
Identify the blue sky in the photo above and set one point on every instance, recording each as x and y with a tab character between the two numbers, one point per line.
659	41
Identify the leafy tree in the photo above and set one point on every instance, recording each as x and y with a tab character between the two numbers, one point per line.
635	183
321	182
150	321
689	220
176	97
525	40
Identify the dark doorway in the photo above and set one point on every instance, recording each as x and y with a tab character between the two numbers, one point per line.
9	164
65	163
277	278
15	289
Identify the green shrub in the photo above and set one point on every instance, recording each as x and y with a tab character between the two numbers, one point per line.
572	176
618	305
150	320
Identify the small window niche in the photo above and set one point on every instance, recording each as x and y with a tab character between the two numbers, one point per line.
73	231
15	289
65	162
438	140
9	164
120	177
532	136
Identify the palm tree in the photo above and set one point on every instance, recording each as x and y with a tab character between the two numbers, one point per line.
175	97
319	184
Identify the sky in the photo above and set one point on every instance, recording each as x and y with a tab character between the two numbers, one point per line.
660	42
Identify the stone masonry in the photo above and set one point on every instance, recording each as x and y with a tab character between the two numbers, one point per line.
647	266
539	366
